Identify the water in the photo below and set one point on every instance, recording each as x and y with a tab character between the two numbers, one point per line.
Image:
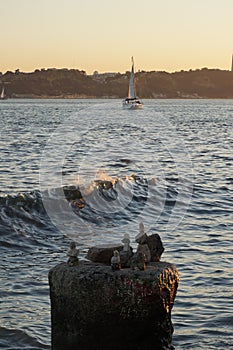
181	153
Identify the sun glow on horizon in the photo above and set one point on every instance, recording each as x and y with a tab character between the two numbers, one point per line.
74	34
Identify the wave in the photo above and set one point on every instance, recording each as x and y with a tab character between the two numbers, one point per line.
26	218
15	339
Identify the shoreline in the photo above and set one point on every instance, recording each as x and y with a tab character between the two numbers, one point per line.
63	83
84	97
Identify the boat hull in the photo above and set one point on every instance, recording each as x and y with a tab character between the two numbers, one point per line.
134	104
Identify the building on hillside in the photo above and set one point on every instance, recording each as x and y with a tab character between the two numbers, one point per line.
102	76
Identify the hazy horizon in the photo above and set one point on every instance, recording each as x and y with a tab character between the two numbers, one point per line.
114	72
102	36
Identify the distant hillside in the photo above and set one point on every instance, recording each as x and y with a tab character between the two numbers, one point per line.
72	83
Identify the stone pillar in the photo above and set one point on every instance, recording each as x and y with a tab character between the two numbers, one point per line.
93	307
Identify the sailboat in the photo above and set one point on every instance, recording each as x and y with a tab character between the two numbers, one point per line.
132	101
3	95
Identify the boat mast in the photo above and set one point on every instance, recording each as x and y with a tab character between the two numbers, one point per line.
132	92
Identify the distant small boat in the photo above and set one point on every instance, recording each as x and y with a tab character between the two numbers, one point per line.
3	95
132	101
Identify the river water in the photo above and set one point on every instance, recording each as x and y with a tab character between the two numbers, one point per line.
180	152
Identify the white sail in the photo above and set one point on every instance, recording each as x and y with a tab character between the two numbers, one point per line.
3	93
131	92
132	102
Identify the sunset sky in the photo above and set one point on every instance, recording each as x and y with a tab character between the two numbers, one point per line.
102	35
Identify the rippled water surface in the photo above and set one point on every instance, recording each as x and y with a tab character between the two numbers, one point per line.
180	152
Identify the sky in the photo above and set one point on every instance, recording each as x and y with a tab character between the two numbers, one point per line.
102	35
